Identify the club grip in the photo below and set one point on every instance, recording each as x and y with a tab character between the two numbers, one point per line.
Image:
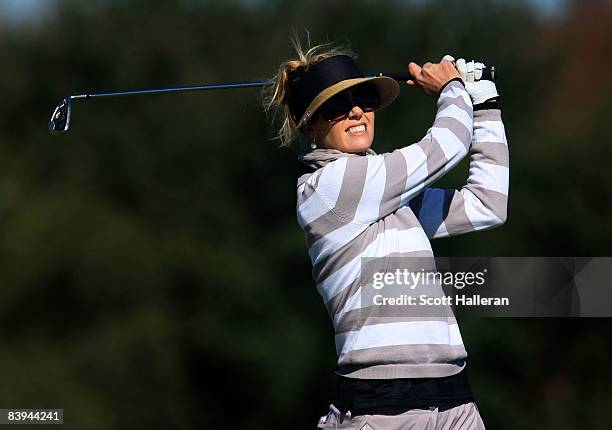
488	73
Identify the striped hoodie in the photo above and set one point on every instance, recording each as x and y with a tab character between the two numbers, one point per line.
358	206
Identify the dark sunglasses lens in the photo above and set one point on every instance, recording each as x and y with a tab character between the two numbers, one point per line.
335	110
338	107
366	97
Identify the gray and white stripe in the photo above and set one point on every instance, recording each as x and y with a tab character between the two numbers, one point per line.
382	206
482	202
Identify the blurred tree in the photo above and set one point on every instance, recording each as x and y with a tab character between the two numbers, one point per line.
152	271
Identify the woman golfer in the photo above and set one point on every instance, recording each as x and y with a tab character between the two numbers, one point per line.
399	368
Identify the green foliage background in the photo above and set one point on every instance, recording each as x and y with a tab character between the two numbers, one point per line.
152	273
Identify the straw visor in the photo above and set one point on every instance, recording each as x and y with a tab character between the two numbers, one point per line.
388	89
323	80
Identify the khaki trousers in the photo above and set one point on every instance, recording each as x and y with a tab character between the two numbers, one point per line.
462	417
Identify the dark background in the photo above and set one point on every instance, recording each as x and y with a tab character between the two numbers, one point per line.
152	273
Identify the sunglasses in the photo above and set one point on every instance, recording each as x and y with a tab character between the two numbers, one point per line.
338	107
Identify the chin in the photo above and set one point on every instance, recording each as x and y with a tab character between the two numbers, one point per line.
358	145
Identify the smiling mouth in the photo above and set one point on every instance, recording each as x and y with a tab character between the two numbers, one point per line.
357	129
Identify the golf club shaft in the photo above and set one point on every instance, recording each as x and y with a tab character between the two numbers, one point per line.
61	116
488	73
169	90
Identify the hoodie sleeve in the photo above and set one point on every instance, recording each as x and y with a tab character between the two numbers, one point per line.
482	202
365	189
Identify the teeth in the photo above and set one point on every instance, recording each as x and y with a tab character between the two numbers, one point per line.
356	129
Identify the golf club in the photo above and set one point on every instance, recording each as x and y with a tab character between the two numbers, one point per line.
62	114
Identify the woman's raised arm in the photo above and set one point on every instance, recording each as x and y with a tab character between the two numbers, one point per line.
482	202
366	189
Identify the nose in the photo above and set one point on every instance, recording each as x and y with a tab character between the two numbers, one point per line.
355	112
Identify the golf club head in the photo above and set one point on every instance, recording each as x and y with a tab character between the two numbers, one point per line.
60	119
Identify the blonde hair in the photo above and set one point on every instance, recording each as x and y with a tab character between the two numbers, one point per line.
275	96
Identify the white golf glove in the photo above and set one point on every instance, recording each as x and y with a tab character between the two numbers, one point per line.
479	90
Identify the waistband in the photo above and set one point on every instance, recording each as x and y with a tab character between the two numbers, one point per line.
395	396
